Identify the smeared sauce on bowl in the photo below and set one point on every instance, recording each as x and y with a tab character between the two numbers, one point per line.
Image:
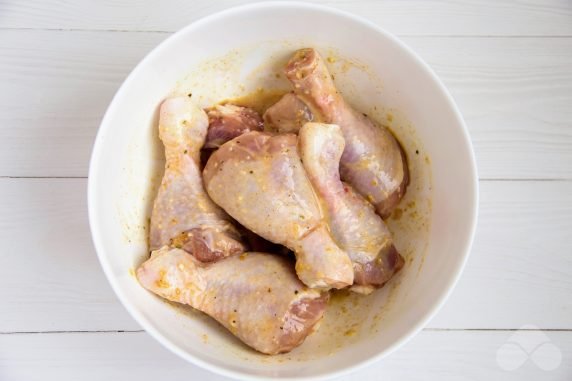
350	317
259	100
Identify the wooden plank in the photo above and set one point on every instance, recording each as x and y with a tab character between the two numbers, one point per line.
519	269
55	89
417	17
51	278
518	272
515	95
444	356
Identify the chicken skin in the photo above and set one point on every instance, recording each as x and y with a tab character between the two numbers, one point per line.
183	215
227	121
353	222
255	296
261	211
373	162
258	179
289	114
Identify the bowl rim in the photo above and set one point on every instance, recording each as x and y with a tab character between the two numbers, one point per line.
97	151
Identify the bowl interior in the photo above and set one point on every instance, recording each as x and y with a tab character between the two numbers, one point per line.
236	53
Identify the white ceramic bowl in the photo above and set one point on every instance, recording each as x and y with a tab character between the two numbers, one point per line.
233	53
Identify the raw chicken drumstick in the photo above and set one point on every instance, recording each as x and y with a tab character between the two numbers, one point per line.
183	214
255	296
259	180
227	121
353	222
287	115
373	161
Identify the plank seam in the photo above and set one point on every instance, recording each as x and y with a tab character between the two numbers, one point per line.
497	329
159	31
72	331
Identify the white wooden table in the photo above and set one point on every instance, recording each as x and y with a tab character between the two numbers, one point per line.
507	63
